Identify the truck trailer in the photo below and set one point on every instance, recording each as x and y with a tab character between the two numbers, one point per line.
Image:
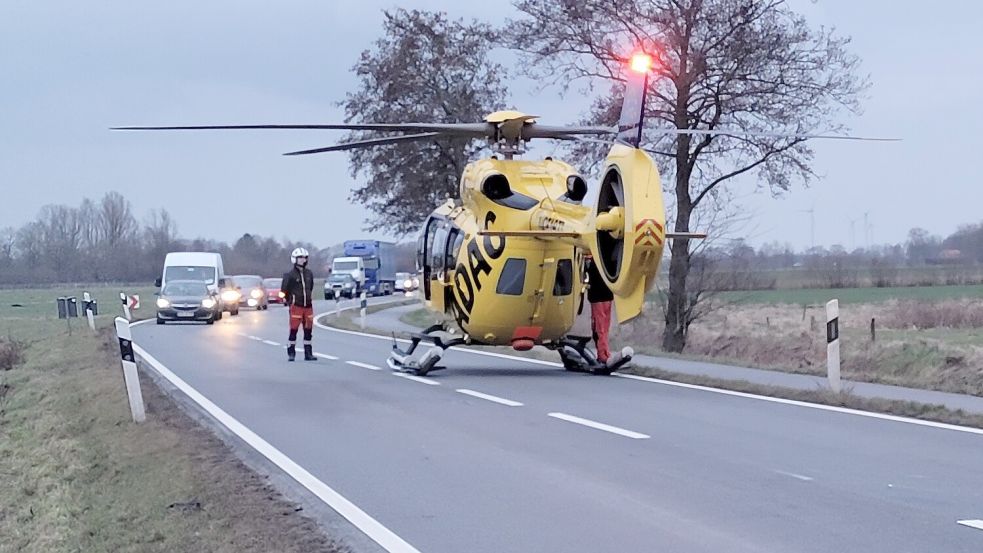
378	265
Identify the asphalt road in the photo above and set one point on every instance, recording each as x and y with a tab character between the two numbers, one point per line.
498	454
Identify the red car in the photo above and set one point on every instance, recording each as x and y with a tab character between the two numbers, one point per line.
272	287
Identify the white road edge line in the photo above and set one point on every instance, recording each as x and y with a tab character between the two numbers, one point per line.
489	397
600	426
372	528
807	405
325	356
415	378
257	338
271	343
978	524
798	403
793	475
364	365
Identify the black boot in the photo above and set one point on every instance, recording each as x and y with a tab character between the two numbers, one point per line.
291	352
309	353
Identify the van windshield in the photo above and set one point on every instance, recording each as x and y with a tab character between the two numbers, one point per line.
345	266
180	272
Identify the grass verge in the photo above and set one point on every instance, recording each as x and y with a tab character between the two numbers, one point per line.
78	475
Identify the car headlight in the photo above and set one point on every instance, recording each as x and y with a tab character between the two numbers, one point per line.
256	294
230	296
162	303
407	284
208	303
281	294
348	285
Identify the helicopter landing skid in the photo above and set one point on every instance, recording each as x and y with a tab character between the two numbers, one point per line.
578	358
402	360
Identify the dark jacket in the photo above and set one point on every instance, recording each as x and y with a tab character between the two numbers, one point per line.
597	289
298	287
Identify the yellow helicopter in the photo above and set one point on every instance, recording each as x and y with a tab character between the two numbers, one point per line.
506	258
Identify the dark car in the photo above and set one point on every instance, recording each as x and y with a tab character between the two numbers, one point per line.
252	293
187	300
273	293
341	285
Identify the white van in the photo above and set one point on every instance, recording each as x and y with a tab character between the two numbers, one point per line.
204	267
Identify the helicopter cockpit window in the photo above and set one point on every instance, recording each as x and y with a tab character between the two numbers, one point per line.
439	251
513	277
563	285
455	241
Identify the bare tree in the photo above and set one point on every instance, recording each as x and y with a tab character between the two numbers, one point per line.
425	68
115	220
753	66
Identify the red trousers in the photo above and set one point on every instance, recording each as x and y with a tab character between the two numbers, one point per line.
600	319
301	316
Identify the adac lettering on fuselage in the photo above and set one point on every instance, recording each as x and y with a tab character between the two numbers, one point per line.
468	278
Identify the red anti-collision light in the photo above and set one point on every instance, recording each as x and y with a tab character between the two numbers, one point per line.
641	63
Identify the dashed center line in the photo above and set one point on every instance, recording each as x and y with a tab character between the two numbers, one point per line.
793	475
489	397
325	356
600	426
978	524
257	338
415	378
271	343
364	365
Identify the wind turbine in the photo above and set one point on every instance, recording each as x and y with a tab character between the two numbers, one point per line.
853	226
812	223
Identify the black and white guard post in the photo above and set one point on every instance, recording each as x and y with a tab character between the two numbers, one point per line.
130	375
833	344
87	305
126	306
363	303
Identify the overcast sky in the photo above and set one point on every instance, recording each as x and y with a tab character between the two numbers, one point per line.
69	70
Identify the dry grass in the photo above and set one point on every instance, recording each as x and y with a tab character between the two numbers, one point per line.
931	345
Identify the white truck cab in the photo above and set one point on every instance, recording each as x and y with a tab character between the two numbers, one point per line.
354	266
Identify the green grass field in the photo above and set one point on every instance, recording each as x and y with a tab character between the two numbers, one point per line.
815	296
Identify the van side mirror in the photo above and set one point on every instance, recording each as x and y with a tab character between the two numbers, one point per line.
221	283
157	282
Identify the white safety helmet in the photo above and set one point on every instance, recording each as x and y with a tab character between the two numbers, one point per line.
298	252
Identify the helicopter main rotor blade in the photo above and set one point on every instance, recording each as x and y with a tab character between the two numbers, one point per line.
737	133
367	143
453	129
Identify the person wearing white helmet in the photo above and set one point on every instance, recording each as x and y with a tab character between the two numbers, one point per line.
298	291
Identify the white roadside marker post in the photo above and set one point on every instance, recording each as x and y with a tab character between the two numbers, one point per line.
833	344
87	304
130	375
337	303
363	303
126	306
